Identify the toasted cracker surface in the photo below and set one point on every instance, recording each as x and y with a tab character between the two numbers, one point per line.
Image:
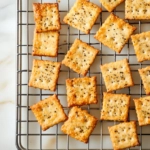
115	107
117	75
137	9
142	45
114	33
111	5
124	135
142	106
80	57
45	44
82	15
79	125
48	112
44	74
145	76
81	91
46	16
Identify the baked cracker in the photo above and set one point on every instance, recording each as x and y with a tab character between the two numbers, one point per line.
111	5
44	74
48	112
141	46
115	107
124	135
46	16
145	76
114	33
137	9
80	57
45	44
79	125
82	15
117	75
81	91
142	106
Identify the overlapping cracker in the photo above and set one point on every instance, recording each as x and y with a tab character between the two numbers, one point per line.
142	45
44	74
79	125
81	91
115	107
45	44
137	9
114	33
124	135
111	5
117	75
80	57
145	76
82	15
142	106
46	16
48	112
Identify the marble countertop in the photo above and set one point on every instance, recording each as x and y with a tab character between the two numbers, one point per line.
7	77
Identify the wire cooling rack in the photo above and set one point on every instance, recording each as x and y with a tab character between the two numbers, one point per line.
28	132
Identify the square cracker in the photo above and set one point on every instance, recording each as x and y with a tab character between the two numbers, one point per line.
114	33
81	91
79	125
142	106
141	46
82	15
48	112
44	74
145	76
46	16
117	75
80	57
124	135
115	107
111	5
137	9
45	44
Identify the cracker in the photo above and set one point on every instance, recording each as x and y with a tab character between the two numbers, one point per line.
115	107
46	16
117	75
81	91
137	9
141	46
145	76
142	106
46	43
48	112
111	5
79	125
44	74
82	15
124	135
80	57
114	33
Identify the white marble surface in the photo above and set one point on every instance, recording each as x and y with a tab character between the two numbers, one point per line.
7	74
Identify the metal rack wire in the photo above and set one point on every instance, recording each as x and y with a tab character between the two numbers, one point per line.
25	137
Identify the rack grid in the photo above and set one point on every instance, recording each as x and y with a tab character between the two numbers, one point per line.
28	132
